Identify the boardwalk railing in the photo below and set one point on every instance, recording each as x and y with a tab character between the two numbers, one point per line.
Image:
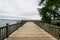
9	29
51	29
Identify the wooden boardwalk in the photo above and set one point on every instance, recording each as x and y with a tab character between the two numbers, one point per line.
30	31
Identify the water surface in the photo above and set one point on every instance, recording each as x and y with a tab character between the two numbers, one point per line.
4	21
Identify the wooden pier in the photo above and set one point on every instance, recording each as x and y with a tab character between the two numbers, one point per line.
30	31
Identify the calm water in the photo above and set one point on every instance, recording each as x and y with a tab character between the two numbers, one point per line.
3	22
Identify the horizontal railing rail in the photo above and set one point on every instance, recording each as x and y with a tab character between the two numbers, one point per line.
51	29
9	29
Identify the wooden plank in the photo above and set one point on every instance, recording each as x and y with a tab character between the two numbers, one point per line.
30	31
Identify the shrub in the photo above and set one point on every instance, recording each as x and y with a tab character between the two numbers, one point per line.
55	23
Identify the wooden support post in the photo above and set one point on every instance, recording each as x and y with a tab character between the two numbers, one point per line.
7	25
0	34
17	25
59	34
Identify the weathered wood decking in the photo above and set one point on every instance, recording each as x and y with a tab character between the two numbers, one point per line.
30	31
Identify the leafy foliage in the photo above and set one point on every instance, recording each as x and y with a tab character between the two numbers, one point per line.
50	10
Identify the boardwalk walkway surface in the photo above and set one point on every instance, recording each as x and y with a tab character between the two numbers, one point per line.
30	31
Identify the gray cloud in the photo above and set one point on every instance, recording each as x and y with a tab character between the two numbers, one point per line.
19	9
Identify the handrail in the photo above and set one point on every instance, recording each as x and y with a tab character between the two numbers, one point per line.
9	29
51	29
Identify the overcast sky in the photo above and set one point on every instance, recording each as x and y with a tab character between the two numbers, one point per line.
19	9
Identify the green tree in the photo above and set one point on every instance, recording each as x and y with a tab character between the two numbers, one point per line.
50	10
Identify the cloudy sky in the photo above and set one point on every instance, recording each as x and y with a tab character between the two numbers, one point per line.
19	9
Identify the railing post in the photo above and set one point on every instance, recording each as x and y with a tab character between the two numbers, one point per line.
0	34
17	25
7	25
59	35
